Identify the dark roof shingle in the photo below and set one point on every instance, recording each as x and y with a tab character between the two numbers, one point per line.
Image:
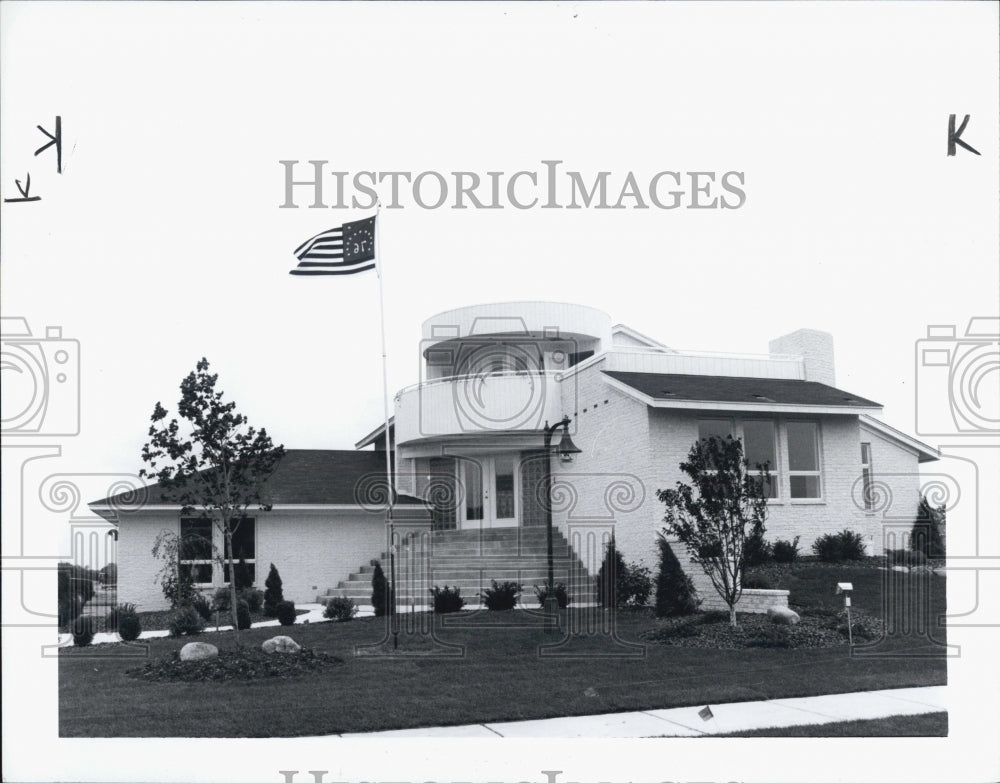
722	388
313	477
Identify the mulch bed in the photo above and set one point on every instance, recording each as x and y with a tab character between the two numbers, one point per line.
817	628
250	663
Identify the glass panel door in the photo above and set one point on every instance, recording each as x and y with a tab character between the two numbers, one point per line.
504	502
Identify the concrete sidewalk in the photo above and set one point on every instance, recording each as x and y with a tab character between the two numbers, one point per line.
686	721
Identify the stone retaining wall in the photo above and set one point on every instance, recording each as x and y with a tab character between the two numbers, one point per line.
752	601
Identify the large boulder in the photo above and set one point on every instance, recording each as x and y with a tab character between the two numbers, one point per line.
921	570
782	615
198	651
901	569
940	572
281	644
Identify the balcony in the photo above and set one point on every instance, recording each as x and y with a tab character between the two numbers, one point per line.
481	403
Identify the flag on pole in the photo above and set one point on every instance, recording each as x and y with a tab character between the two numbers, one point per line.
705	713
344	250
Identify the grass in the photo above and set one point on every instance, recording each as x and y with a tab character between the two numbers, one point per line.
930	724
500	675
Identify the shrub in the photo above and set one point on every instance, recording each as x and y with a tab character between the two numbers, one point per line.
243	621
904	557
447	599
222	600
114	616
253	597
340	608
674	591
757	583
769	636
757	551
83	631
69	609
285	612
185	622
836	547
562	596
272	594
632	583
785	551
381	592
202	607
929	529
500	596
129	626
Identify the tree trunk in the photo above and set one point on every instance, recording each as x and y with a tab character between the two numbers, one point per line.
232	582
732	616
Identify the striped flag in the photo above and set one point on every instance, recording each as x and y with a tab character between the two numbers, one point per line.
344	250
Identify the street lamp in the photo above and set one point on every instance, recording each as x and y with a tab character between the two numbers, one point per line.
566	449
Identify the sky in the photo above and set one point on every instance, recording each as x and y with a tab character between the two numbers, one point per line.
162	240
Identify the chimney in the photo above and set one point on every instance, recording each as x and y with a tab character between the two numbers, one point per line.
815	347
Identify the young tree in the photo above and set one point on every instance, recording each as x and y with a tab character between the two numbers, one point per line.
217	465
928	529
716	517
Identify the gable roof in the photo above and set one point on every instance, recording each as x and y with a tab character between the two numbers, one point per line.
303	477
675	390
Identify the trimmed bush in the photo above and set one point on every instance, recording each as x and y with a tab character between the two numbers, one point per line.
253	597
285	612
500	596
785	551
631	585
447	599
837	547
272	594
222	600
929	529
129	627
757	551
185	622
675	594
562	597
69	609
83	631
114	616
381	592
340	608
242	573
202	607
243	620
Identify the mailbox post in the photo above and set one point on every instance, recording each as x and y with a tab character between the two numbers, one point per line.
846	588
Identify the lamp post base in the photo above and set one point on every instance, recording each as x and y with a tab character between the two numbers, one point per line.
551	614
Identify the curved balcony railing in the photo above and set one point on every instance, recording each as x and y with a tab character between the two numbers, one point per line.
493	402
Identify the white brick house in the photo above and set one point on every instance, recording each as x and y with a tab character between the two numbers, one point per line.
469	438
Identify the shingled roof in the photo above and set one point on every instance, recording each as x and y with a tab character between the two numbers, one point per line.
723	389
307	477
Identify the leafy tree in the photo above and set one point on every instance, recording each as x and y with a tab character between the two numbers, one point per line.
215	463
717	516
272	594
928	529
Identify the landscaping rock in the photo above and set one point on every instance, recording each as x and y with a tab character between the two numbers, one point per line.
198	651
922	570
940	572
901	569
782	615
281	644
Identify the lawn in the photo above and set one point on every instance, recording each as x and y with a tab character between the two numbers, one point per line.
931	724
499	676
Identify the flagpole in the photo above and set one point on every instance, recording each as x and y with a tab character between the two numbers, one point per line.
385	375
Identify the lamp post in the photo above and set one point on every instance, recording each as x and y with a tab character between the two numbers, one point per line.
565	450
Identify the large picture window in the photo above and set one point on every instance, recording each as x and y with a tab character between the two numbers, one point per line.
196	549
244	547
803	460
759	449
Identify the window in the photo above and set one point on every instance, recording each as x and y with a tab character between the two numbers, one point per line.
244	547
803	459
759	449
719	428
866	476
196	549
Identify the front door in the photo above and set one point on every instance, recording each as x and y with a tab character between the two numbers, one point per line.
490	491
